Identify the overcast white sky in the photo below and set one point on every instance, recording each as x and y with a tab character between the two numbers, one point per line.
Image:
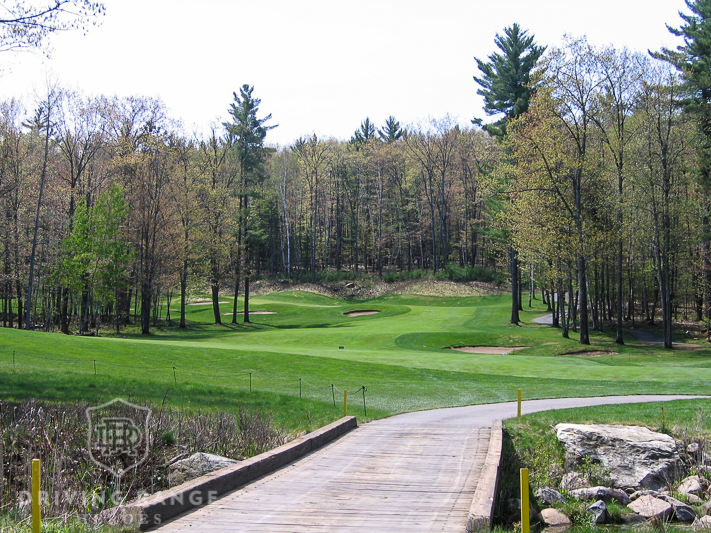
319	66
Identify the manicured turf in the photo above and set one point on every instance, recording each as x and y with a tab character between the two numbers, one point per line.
400	355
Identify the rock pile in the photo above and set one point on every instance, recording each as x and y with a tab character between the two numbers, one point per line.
640	470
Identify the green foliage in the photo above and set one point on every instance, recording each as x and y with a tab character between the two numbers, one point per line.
692	59
95	253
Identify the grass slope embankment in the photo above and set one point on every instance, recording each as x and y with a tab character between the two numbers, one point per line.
294	356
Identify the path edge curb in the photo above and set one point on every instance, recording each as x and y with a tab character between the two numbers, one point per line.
161	506
481	510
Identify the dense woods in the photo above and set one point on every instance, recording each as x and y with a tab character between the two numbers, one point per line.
588	190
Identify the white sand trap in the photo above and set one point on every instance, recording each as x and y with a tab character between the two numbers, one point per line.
488	349
254	313
207	303
361	313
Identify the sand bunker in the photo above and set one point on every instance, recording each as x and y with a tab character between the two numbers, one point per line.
207	303
361	313
488	349
589	354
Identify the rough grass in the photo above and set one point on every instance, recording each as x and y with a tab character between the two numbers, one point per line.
76	487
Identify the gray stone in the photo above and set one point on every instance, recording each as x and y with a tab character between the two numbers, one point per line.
122	515
601	493
554	518
549	496
706	508
691	485
651	508
632	456
682	512
693	499
598	512
693	448
195	466
703	523
636	494
574	480
631	519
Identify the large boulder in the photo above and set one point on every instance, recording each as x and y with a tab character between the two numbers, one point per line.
554	518
601	493
195	466
691	485
598	512
632	456
549	496
574	480
682	511
651	508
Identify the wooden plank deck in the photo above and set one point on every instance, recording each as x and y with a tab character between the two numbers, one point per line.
415	472
376	478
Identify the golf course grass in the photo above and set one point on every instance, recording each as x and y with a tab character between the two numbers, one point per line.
301	350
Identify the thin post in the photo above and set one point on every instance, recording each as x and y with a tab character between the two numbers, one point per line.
345	403
519	403
333	393
525	527
36	509
299	387
250	382
94	366
175	379
364	411
13	358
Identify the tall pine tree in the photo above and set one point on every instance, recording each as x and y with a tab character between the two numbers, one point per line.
693	60
246	134
506	87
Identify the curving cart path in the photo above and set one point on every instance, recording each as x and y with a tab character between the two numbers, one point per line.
415	472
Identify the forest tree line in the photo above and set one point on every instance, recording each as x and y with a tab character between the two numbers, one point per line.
590	190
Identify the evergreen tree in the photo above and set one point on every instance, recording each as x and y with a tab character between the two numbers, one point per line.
506	88
693	59
364	134
505	77
246	134
392	131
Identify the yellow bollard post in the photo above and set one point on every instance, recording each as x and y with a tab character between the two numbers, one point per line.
36	509
525	519
519	403
345	403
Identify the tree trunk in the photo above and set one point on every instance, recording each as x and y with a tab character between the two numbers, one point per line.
583	301
246	299
515	302
183	294
215	288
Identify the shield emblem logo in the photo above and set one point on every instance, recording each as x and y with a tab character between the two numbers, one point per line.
118	437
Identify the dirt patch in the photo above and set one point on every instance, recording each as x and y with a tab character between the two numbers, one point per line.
590	354
372	287
361	313
488	349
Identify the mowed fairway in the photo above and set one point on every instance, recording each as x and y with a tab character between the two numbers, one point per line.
400	354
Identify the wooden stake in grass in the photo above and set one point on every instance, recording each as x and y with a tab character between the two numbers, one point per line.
36	511
345	403
519	403
525	528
